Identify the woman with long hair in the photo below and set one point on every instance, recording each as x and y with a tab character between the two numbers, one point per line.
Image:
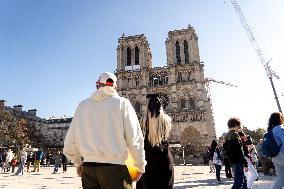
275	124
216	159
156	126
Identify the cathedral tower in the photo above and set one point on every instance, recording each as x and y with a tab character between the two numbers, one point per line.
182	47
133	56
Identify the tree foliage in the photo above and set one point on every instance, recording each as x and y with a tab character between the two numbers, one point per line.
12	129
16	130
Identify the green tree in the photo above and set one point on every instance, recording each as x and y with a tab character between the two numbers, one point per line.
256	134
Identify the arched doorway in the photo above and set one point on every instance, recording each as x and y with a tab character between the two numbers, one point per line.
190	135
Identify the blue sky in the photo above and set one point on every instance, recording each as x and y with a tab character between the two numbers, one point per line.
52	51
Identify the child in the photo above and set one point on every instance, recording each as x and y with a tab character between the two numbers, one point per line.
13	163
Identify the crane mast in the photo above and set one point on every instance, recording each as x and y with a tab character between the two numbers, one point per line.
269	72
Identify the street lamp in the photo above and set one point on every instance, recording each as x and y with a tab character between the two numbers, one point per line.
183	156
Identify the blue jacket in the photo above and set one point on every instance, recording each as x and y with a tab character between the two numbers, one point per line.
278	132
39	155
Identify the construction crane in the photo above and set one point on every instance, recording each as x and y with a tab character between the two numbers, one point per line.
269	72
207	82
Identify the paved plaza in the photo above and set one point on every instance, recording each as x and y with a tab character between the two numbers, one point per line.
185	177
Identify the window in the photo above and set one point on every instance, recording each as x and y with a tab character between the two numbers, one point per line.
192	104
128	57
156	82
166	80
136	56
159	80
162	81
178	53
186	55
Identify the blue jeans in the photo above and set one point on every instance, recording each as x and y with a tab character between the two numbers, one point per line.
56	166
21	168
240	181
279	167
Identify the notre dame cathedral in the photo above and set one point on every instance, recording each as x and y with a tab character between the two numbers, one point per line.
180	83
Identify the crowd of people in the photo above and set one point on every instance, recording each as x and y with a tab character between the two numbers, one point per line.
243	160
25	158
105	130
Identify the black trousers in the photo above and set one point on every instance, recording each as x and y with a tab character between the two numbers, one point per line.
105	176
227	168
64	165
218	170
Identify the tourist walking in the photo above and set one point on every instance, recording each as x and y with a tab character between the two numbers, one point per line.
13	163
57	161
234	149
251	174
253	154
9	157
44	161
228	170
264	160
5	165
205	156
48	157
211	165
23	159
254	159
275	124
30	159
64	163
216	159
38	158
156	126
104	128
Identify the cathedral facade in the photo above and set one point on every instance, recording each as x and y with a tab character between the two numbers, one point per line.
181	83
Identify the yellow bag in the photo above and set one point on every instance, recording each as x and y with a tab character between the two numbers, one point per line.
133	171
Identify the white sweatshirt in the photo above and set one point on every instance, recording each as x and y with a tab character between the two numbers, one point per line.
104	128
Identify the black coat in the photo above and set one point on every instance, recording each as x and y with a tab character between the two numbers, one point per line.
159	171
233	147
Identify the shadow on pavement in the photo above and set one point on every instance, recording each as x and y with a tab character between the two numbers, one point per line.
207	182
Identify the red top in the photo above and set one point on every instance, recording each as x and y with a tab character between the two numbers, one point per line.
14	161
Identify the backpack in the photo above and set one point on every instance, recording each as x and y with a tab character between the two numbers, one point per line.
270	147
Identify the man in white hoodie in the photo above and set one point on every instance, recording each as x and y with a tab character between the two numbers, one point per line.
104	128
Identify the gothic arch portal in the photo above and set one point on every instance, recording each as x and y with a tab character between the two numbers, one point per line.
190	135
